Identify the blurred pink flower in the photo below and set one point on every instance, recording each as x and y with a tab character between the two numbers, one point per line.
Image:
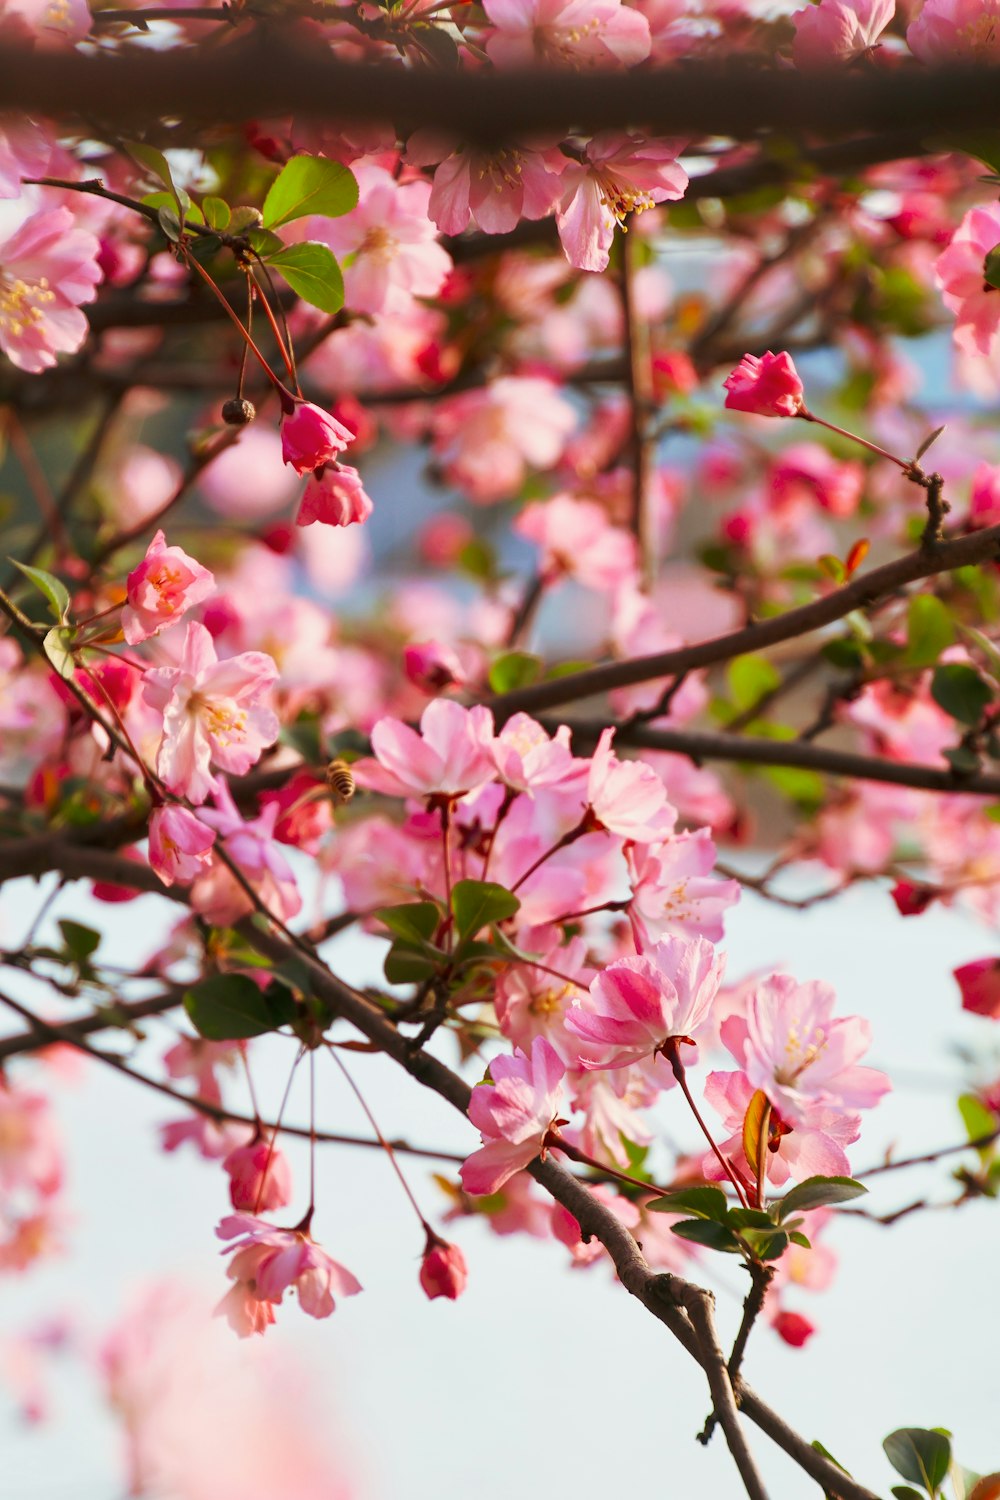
980	986
260	1179
838	30
578	541
956	31
579	33
48	267
958	272
488	438
443	1271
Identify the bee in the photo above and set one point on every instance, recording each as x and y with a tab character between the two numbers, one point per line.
340	780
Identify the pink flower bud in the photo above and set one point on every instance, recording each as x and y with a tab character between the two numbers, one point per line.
793	1328
179	844
311	437
336	497
443	1272
911	900
260	1177
980	986
165	584
432	666
769	386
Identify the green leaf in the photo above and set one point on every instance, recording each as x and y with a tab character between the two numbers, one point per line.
929	630
154	161
961	692
767	1244
800	1239
54	591
414	922
846	653
170	223
406	963
58	646
516	669
921	1455
749	678
818	1192
905	1492
707	1232
706	1202
991	267
263	241
312	272
80	941
217	212
309	185
228	1007
977	1119
477	903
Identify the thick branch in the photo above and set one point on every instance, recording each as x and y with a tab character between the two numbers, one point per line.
979	546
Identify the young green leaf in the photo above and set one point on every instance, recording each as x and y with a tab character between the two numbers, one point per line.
755	1124
52	588
58	646
312	273
414	922
707	1232
217	212
80	942
929	630
477	903
921	1455
961	692
309	185
516	669
818	1192
229	1007
706	1202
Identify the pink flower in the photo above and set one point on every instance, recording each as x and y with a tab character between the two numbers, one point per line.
267	1261
627	797
636	1004
956	31
980	986
443	1272
958	272
984	501
335	496
515	1116
311	437
211	712
674	891
488	438
581	33
768	386
252	846
450	756
792	1048
620	174
163	587
579	542
260	1177
24	152
795	1329
528	759
809	471
496	189
30	1158
838	30
432	666
52	21
47	269
794	1150
179	844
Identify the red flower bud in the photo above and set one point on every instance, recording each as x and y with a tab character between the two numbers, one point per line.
443	1272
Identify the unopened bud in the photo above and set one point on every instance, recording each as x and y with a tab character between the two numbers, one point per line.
245	217
237	412
443	1272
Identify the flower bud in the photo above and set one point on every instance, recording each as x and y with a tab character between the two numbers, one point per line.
238	413
443	1272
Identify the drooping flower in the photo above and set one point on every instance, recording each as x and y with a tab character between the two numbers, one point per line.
163	587
956	31
768	386
636	1004
260	1179
958	272
834	31
620	175
211	712
515	1115
980	986
312	437
266	1262
450	755
627	797
580	33
335	497
443	1271
48	267
179	844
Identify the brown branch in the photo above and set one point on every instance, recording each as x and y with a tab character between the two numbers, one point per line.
977	1143
639	386
978	546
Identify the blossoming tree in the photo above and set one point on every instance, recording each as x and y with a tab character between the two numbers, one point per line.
243	242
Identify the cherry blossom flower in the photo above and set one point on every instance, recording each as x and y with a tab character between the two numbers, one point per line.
796	1150
252	846
211	712
627	797
956	31
531	1001
619	175
432	666
266	1262
636	1004
24	152
495	189
30	1156
450	756
260	1177
515	1115
335	496
958	272
179	844
487	438
443	1271
578	541
836	31
809	470
768	386
791	1047
980	986
581	33
48	267
312	437
673	890
163	587
528	759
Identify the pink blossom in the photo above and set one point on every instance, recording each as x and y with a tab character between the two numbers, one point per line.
246	481
391	242
956	31
335	496
179	844
810	471
531	1001
30	1156
250	845
515	1116
24	152
836	31
443	1271
432	666
528	759
52	21
768	386
581	33
637	1004
793	1327
958	272
487	438
566	1228
791	1047
980	986
984	502
627	797
674	891
578	541
260	1177
163	587
620	175
495	189
211	712
450	756
311	437
48	267
795	1150
267	1261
